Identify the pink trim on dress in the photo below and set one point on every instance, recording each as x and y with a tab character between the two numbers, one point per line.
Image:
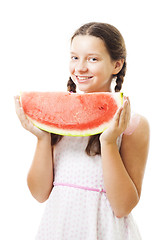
101	190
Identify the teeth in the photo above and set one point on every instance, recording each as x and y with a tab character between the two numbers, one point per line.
83	78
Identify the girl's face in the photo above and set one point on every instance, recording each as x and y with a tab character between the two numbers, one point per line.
91	67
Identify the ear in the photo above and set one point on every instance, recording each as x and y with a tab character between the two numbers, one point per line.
118	66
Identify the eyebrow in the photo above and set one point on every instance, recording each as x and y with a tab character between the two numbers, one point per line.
89	54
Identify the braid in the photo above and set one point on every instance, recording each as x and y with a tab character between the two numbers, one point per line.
119	82
93	148
71	86
120	78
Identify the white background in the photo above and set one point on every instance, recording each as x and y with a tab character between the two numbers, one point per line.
34	55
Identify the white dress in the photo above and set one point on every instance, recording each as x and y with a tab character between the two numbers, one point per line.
74	213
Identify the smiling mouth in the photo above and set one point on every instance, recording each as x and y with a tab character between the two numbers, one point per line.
83	78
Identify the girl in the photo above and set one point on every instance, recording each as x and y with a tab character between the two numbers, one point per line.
91	183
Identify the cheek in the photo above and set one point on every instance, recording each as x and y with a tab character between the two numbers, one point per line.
71	68
71	71
105	73
98	69
99	73
94	70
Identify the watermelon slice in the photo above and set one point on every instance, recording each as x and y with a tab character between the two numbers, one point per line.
71	114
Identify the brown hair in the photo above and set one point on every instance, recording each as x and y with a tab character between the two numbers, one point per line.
115	45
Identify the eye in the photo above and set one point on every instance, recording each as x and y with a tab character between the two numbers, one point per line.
93	59
74	58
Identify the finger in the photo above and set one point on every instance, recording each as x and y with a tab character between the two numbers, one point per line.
128	112
117	116
25	122
17	105
20	113
128	109
124	97
123	116
16	100
23	119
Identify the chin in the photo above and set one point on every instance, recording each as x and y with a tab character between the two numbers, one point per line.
84	89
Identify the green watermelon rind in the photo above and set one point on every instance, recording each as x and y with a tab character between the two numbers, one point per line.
119	100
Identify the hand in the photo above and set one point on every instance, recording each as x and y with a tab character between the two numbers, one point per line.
26	123
119	123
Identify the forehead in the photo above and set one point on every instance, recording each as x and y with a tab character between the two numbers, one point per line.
88	44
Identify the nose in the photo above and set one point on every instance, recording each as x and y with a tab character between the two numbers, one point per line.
81	66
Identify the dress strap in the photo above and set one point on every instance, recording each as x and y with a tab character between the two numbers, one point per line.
101	190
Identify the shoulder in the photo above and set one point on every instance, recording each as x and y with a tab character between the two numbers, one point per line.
137	133
138	125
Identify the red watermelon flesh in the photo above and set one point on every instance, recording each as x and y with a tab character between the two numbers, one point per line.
72	114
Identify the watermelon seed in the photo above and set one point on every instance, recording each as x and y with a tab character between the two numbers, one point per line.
101	108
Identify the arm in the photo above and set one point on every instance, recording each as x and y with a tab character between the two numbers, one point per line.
123	171
40	176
